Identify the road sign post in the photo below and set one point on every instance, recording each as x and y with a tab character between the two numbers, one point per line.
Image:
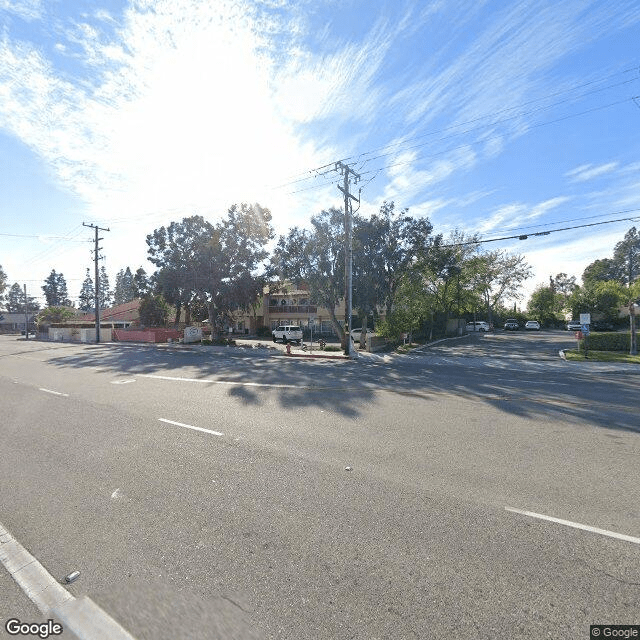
585	333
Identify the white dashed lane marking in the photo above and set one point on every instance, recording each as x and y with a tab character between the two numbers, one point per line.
189	426
576	525
55	393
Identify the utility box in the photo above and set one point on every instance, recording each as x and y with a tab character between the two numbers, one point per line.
192	334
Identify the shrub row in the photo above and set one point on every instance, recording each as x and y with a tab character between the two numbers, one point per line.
608	342
220	342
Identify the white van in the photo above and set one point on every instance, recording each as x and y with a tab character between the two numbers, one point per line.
287	333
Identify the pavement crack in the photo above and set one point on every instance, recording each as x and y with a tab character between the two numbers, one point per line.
610	575
233	602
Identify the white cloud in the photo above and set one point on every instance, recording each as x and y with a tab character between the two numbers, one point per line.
181	116
588	171
26	9
511	216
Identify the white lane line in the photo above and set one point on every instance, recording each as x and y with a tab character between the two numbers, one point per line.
122	381
576	525
55	393
250	384
244	384
188	426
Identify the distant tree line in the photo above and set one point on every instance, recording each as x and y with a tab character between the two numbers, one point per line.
607	285
418	279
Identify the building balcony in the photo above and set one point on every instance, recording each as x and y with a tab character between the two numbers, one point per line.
284	308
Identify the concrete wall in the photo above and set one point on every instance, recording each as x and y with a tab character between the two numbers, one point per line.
71	334
376	343
148	335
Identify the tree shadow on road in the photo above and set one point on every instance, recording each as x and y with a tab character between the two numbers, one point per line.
544	390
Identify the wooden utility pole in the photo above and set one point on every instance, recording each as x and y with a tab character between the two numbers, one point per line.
96	257
347	171
26	314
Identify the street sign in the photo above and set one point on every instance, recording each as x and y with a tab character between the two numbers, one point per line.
585	318
585	329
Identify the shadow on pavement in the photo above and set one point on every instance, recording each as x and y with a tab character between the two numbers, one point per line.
518	375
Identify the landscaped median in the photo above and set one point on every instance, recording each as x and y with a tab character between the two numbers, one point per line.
600	356
603	347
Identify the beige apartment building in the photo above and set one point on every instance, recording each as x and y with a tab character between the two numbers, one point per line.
289	304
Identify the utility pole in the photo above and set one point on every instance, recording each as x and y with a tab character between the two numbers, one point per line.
633	346
347	171
96	257
26	313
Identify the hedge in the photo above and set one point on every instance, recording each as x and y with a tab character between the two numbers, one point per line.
608	342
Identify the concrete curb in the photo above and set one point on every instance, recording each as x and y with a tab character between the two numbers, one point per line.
318	355
81	617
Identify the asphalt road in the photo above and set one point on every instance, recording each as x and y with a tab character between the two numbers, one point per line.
382	498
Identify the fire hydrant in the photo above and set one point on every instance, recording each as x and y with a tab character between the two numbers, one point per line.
288	349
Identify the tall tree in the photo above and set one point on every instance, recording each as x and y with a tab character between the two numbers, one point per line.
124	290
179	253
315	256
3	283
141	286
626	257
499	275
385	246
564	285
216	264
55	290
105	289
235	255
86	299
16	301
599	271
153	311
545	305
599	297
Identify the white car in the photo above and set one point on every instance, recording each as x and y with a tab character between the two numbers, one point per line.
532	325
478	326
287	333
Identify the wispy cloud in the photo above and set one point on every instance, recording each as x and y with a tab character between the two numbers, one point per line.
589	171
515	214
505	65
180	113
26	9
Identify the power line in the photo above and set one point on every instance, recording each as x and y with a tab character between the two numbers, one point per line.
542	233
312	173
41	236
499	136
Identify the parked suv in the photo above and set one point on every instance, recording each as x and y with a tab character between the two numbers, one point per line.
511	325
574	325
477	326
287	333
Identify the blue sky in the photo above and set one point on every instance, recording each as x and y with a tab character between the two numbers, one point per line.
491	117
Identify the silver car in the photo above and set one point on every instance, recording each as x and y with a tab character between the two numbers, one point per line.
478	326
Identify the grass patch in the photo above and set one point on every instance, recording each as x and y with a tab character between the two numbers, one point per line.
601	356
405	348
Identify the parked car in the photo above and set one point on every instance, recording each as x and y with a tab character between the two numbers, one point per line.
477	326
574	325
356	334
532	325
511	325
287	333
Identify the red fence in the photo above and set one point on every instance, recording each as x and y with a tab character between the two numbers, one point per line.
148	335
